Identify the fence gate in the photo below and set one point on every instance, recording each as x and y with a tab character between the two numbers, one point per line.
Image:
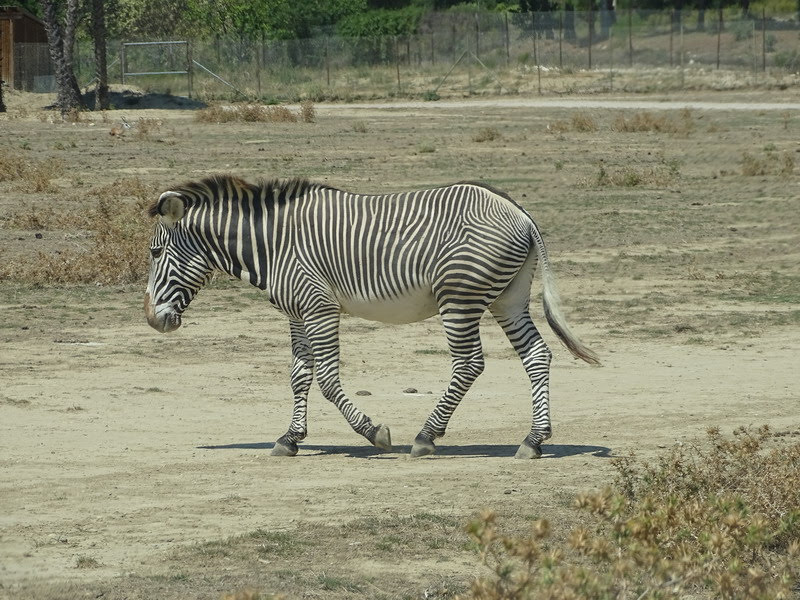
187	70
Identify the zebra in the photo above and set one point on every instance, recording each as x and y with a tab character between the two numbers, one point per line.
318	251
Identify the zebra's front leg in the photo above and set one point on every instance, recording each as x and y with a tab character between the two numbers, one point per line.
323	334
301	377
467	354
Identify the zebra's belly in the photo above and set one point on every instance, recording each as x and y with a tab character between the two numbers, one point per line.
414	305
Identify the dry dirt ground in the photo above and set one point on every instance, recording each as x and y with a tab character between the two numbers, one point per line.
137	465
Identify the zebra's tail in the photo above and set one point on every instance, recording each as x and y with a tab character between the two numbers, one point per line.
552	305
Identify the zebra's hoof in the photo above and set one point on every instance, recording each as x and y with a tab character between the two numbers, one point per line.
527	451
422	447
281	449
383	438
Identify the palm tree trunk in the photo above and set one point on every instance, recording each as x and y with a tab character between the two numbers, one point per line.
69	96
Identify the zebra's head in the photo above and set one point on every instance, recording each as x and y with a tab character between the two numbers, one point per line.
179	264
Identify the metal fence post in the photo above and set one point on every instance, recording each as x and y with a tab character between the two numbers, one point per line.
630	33
719	35
591	29
189	70
764	39
507	40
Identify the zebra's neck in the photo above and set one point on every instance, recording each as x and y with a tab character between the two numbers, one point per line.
243	234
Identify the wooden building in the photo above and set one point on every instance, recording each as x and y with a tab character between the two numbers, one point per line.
24	56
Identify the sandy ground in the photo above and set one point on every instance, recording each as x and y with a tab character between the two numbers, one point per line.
121	445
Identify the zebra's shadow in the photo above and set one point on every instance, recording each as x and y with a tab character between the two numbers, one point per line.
402	451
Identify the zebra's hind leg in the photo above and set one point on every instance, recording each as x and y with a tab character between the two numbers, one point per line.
322	329
301	377
535	356
464	340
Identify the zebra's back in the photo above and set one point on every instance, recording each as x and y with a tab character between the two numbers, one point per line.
381	255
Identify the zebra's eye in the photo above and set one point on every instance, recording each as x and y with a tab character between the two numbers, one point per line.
157	251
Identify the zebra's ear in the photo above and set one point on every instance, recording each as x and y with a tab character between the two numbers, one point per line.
171	207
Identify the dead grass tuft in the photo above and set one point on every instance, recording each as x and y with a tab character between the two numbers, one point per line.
771	163
256	113
31	175
115	251
583	122
146	128
307	111
660	175
487	134
723	518
682	124
580	122
44	218
86	562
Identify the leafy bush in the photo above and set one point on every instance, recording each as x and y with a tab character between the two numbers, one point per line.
721	521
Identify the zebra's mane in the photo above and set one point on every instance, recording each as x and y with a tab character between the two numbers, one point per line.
226	187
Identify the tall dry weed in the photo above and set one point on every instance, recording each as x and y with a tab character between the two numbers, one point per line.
115	250
680	124
308	113
720	520
255	113
771	163
29	174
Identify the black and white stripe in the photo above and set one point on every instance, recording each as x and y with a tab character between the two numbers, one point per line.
317	251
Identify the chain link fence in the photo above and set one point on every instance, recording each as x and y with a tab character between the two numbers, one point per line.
460	53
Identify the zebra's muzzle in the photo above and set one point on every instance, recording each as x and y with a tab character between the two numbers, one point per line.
163	318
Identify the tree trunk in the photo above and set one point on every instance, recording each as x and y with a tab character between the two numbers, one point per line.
101	68
69	96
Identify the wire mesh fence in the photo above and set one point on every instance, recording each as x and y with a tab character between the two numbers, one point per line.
464	53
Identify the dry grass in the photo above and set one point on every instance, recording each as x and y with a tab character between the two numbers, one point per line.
580	122
256	113
659	175
682	124
45	218
86	562
487	134
30	175
308	113
146	128
115	250
771	163
720	520
583	122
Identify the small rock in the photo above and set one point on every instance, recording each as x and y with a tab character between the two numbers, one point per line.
39	236
410	390
363	393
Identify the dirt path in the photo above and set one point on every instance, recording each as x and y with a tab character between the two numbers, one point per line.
117	456
573	103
